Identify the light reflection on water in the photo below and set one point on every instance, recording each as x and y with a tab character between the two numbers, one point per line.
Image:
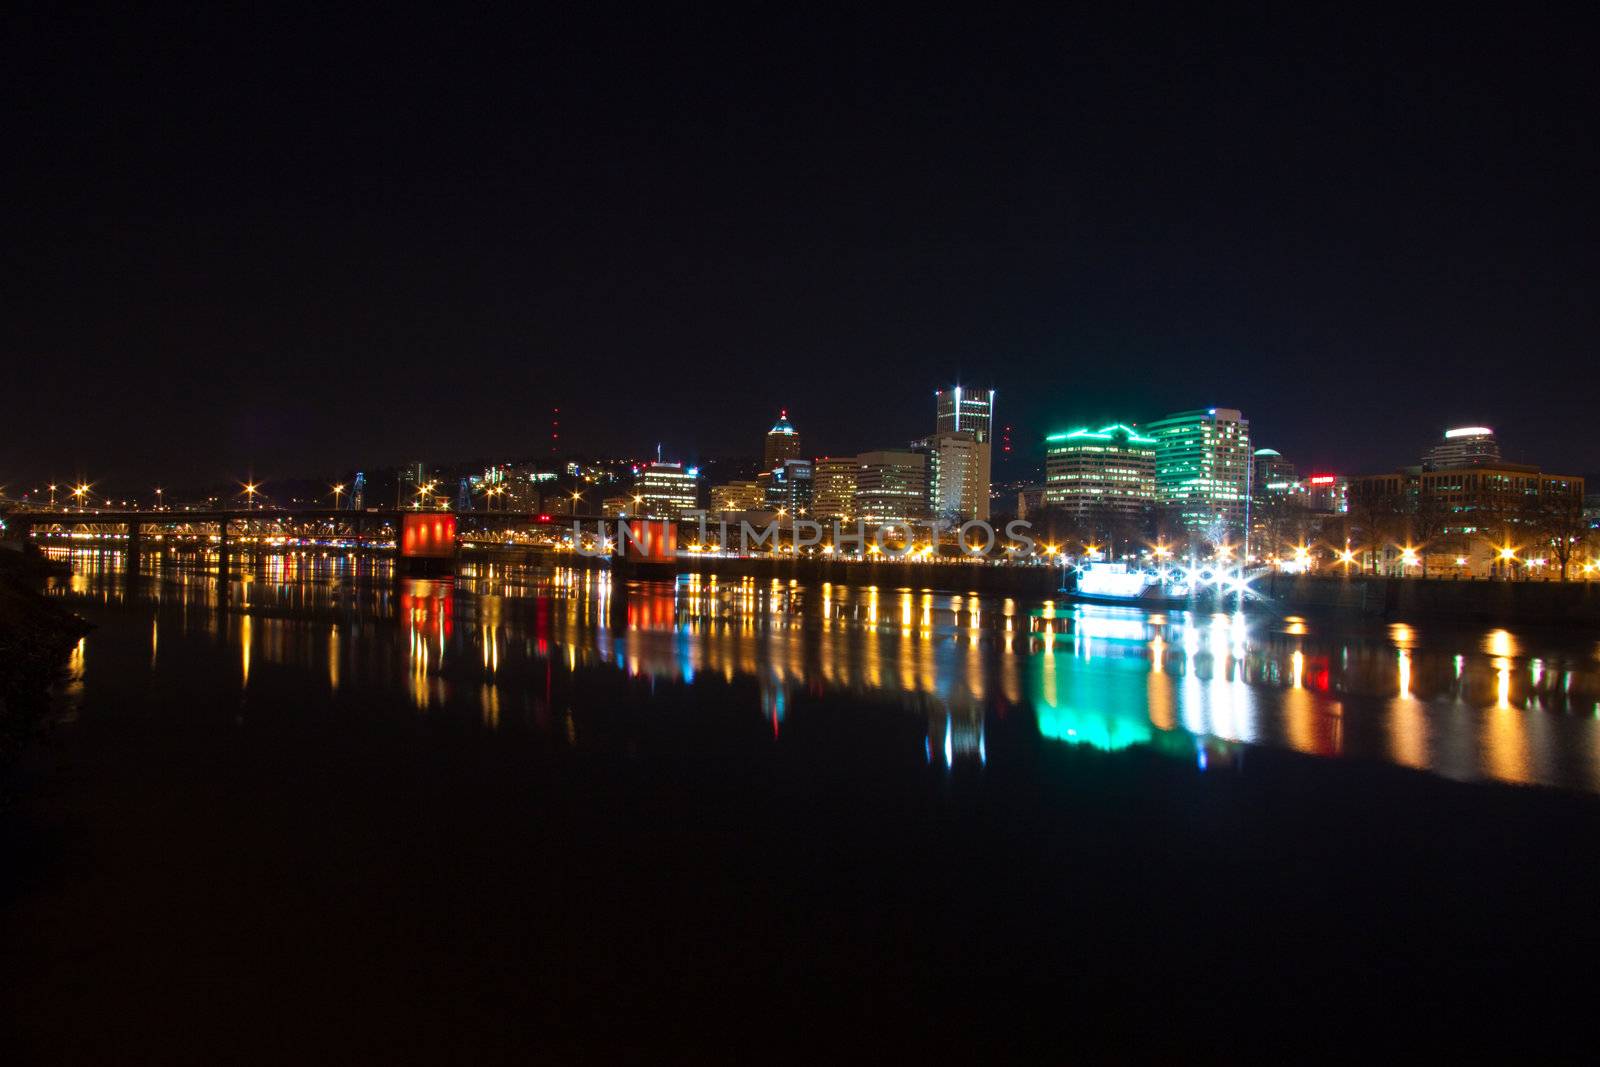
1465	703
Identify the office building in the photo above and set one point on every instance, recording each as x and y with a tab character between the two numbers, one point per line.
738	496
1104	472
833	488
1477	499
667	490
891	486
788	487
957	488
783	442
1203	468
959	408
1325	494
1271	473
1464	446
962	410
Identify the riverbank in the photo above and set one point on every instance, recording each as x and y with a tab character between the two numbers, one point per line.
35	636
1493	602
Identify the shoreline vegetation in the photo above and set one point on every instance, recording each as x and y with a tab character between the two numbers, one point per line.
36	634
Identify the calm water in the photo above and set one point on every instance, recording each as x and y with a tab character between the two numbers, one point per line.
576	658
315	814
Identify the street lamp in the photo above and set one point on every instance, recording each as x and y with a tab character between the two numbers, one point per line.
338	490
250	489
158	498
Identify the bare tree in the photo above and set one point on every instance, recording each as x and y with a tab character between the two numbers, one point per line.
1425	523
1561	527
1373	516
1273	517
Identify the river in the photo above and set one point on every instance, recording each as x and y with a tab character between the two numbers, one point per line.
517	649
313	813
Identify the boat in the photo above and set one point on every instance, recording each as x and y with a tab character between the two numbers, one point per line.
1114	583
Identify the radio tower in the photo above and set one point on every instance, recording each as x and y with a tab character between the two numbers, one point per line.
555	429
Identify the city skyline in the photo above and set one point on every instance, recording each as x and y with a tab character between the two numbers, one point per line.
1026	466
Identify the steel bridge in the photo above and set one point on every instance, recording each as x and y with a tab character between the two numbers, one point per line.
224	528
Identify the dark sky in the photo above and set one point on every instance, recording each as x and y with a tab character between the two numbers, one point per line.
303	244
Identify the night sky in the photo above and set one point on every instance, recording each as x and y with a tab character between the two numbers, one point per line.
302	245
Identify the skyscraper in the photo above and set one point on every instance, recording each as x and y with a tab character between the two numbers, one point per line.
959	408
1106	472
1203	468
1464	446
962	410
956	487
783	442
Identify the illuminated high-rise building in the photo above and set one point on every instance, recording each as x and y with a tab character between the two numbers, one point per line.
783	442
788	487
1203	468
1463	446
959	409
891	486
1104	472
957	490
833	488
667	490
1271	473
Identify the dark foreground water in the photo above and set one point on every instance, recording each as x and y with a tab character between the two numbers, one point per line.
313	813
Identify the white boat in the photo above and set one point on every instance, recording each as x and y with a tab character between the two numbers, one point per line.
1115	583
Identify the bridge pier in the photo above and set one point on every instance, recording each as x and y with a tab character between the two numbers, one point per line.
135	543
224	551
